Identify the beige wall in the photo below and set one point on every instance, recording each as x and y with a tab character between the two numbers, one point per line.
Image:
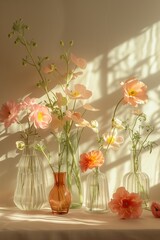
118	38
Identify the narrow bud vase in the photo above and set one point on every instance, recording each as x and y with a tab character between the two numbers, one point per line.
59	196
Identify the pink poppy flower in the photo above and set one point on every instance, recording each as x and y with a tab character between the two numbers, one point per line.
155	208
135	92
40	116
111	140
79	62
9	113
125	204
91	160
79	92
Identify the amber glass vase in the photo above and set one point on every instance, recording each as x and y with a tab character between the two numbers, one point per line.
60	196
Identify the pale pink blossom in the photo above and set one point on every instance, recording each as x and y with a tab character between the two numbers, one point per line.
40	116
27	102
57	124
112	140
90	107
77	118
155	208
79	92
61	100
125	204
76	74
79	62
9	113
135	92
91	160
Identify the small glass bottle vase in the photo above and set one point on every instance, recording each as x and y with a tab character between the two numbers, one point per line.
30	192
96	199
137	181
59	196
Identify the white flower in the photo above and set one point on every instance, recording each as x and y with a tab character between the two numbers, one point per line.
20	145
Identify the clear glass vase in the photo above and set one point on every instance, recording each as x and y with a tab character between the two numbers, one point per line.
30	192
59	196
96	192
137	181
69	156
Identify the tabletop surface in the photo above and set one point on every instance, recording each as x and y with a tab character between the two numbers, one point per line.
77	224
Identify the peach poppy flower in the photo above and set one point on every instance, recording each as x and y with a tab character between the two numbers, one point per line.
79	62
125	204
155	208
111	140
77	118
90	107
9	113
91	160
79	92
135	92
40	116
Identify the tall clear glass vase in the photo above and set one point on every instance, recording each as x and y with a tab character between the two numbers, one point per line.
97	195
30	192
136	180
69	156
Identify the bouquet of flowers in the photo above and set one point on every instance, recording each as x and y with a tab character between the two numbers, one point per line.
66	103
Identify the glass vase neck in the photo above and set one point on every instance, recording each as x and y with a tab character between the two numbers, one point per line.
59	177
136	161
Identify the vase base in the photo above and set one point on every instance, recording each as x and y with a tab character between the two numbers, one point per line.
59	213
96	210
75	205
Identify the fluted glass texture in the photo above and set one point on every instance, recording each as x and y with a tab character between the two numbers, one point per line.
31	184
137	181
96	192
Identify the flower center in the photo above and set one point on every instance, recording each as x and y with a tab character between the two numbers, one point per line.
132	92
75	93
125	203
110	140
40	116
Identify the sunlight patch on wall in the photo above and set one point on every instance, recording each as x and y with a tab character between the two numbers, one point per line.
139	56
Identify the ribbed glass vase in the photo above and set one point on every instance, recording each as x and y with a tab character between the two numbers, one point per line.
136	180
31	184
96	192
